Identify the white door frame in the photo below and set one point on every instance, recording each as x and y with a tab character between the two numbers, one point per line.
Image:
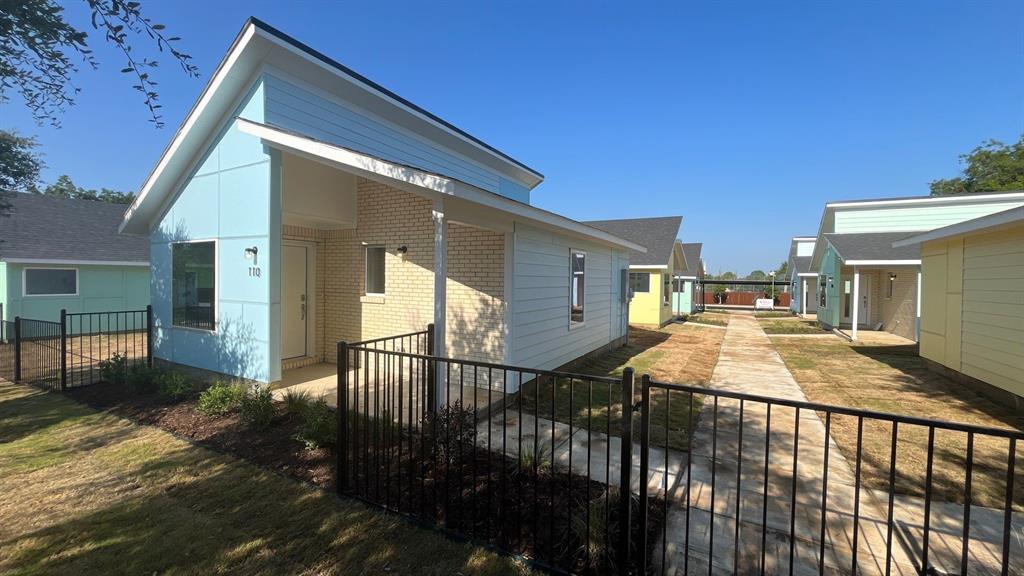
311	294
862	292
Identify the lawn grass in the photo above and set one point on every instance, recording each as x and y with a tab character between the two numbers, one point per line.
773	314
791	327
88	493
710	318
676	353
884	373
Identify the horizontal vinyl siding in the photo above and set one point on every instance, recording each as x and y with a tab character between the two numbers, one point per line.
912	218
540	323
296	108
993	309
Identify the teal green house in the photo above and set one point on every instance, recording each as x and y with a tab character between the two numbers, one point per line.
58	253
688	293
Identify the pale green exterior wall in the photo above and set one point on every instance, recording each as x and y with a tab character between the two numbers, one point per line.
682	299
100	289
912	219
830	268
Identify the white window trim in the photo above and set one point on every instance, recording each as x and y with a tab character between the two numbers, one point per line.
572	254
647	274
216	286
366	266
24	282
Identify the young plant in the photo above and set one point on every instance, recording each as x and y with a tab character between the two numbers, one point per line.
220	398
142	379
319	426
451	430
296	401
115	369
258	407
175	386
535	459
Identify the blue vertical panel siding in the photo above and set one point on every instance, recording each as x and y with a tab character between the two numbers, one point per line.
830	267
303	109
100	289
227	199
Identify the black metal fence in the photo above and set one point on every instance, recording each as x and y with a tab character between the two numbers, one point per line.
530	462
69	353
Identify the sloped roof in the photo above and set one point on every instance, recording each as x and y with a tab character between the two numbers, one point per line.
691	252
658	235
39	227
873	246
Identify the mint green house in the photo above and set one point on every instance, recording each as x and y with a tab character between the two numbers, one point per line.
688	293
57	253
863	281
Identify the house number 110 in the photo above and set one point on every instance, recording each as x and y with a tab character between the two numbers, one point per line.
254	271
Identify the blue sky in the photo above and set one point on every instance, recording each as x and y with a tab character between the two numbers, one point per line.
745	118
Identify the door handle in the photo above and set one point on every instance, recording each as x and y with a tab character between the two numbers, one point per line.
302	307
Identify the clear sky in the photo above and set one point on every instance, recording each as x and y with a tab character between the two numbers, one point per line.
745	118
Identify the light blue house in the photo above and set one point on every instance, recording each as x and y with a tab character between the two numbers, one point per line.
688	296
58	253
301	204
802	280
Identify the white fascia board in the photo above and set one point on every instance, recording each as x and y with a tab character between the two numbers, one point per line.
419	181
647	267
807	274
882	262
804	238
685	277
958	199
1011	216
64	262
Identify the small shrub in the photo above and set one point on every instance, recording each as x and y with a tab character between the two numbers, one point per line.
115	369
539	458
319	426
220	398
296	402
175	386
258	407
452	430
142	379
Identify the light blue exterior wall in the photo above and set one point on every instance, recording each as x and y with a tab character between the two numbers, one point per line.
682	300
306	110
830	267
230	198
100	289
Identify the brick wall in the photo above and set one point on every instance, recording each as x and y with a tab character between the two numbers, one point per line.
899	313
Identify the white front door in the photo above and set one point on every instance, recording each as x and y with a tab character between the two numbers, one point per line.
865	299
294	305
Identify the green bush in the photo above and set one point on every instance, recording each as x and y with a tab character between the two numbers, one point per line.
319	426
175	386
296	402
142	379
220	398
258	407
115	369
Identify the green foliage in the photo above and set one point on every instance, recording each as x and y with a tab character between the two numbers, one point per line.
114	370
535	457
142	379
258	407
991	167
41	48
65	188
296	401
19	165
319	426
451	430
220	398
175	386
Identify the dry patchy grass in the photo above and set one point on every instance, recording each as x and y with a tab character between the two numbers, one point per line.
89	493
884	373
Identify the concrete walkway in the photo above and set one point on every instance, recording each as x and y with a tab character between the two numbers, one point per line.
748	363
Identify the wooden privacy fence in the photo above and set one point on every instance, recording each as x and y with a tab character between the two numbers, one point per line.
745	298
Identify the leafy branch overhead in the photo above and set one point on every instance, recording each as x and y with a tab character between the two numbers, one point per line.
40	52
991	167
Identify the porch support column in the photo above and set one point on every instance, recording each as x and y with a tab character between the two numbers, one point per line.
440	297
856	303
917	307
803	297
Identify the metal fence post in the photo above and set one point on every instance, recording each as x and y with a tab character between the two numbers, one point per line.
63	350
341	482
431	371
645	442
17	348
149	335
625	473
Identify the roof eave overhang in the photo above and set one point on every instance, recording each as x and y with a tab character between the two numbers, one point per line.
907	262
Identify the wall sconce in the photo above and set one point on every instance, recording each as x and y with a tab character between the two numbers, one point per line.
892	277
402	250
250	254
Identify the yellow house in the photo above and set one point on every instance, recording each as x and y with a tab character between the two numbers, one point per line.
650	274
972	303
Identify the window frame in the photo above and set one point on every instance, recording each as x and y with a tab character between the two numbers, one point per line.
573	324
366	269
216	285
646	275
666	289
24	282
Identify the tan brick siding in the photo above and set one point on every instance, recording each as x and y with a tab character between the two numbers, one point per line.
899	313
393	218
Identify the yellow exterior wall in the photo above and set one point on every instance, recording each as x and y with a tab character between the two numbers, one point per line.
972	297
651	308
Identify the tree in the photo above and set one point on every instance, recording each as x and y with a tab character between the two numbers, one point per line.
19	165
991	167
783	270
757	275
65	188
38	50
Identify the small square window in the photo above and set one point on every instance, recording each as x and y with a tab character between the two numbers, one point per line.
639	282
193	285
375	273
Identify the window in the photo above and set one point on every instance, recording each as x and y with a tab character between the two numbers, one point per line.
889	286
51	282
666	289
375	270
639	282
193	285
577	290
822	292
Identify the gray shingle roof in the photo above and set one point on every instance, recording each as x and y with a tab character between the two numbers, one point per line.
691	251
658	235
873	246
797	264
50	228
